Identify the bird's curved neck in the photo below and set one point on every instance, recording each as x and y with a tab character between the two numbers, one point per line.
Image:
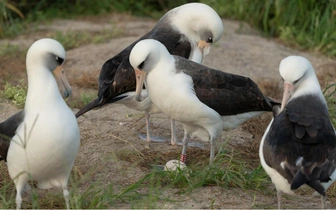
165	62
42	89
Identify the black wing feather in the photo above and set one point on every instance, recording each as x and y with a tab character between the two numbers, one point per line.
7	131
213	87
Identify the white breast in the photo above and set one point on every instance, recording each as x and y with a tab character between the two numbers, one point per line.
279	181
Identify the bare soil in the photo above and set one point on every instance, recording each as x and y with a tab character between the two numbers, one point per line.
110	144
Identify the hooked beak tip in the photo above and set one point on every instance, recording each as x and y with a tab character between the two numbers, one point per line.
67	93
137	98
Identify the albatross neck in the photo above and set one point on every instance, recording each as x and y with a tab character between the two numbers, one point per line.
42	89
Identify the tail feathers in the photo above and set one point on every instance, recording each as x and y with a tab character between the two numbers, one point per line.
298	180
275	105
301	179
316	185
93	104
273	102
97	103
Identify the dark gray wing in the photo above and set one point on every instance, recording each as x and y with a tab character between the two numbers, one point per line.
182	49
227	94
7	131
304	130
108	71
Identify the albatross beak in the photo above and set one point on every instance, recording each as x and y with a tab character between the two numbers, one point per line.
288	89
63	82
140	78
204	47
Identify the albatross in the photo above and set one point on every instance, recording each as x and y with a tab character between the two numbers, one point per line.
204	100
187	31
298	146
40	143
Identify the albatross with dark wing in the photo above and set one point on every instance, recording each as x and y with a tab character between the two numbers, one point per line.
41	142
187	31
204	100
299	144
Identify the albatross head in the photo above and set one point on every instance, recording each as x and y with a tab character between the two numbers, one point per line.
144	56
49	54
200	24
299	78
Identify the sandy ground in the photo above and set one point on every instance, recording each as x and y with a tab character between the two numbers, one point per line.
114	129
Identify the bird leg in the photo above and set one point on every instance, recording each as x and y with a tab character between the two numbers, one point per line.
66	197
184	149
212	150
173	132
20	183
323	201
279	195
18	199
150	138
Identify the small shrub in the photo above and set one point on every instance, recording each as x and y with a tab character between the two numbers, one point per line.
17	94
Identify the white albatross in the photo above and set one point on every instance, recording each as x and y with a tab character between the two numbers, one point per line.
204	100
299	145
46	142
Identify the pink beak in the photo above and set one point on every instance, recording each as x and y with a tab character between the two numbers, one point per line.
140	79
288	90
64	84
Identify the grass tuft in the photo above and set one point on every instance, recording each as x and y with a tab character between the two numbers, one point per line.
6	190
307	24
74	39
230	169
17	94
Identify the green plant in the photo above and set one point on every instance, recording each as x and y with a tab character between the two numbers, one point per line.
71	39
87	97
228	170
309	24
6	190
17	94
8	14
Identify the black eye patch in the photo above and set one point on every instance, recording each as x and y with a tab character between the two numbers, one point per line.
296	81
209	40
141	65
59	60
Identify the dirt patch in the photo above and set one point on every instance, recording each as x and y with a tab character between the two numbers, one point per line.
12	70
111	151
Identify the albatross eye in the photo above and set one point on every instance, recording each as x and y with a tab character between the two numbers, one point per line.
296	81
210	40
59	60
